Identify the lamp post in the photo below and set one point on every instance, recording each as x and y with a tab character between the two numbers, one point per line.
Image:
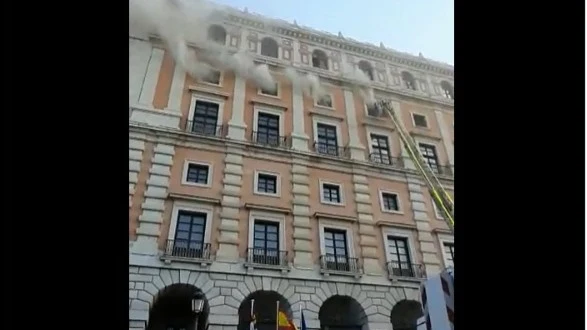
197	308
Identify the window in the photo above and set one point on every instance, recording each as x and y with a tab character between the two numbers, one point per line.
270	92
267	183
420	120
217	34
409	80
269	47
331	193
189	234
327	142
266	243
319	59
336	252
267	129
213	78
366	68
325	101
374	111
380	149
205	119
399	258
449	254
389	202
196	174
428	152
447	90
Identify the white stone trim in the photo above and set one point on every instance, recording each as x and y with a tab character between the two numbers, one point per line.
191	207
206	98
184	173
277	183
399	202
402	233
437	212
349	237
271	111
442	238
152	76
340	193
270	217
378	131
327	121
278	86
412	113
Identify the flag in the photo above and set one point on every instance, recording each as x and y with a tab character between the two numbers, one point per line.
283	323
253	324
303	323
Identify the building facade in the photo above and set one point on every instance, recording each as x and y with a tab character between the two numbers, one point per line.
238	194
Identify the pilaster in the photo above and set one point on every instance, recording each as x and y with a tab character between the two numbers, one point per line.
356	148
301	215
367	235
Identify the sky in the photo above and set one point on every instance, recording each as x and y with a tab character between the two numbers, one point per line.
411	26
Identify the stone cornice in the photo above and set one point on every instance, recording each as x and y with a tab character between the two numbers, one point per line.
303	33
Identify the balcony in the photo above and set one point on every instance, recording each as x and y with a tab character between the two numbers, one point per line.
378	158
267	259
186	251
406	271
269	140
199	128
339	265
331	150
443	170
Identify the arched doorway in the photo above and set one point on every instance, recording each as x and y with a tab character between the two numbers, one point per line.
405	315
265	309
173	309
342	313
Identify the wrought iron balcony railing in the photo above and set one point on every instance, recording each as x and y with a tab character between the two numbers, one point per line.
406	269
379	158
331	262
185	249
270	140
199	128
443	170
331	150
267	257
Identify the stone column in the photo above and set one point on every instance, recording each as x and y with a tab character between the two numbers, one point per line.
236	125
139	52
357	149
367	235
429	256
446	138
135	157
151	77
229	215
177	89
301	215
152	216
408	163
299	138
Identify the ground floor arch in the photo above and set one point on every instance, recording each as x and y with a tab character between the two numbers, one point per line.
405	315
172	309
342	313
264	308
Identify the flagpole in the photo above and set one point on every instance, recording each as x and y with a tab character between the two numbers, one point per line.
252	307
277	319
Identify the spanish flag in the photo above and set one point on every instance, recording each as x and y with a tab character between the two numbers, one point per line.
283	323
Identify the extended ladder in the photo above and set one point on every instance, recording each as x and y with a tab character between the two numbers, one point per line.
442	199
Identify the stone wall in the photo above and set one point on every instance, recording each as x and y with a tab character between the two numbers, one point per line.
225	293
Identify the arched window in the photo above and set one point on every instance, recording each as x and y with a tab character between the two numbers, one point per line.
447	90
269	47
319	59
217	33
409	80
367	69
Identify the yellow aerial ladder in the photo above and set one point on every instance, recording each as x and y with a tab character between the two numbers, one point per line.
442	199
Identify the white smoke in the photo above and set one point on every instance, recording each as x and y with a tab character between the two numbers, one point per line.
177	21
